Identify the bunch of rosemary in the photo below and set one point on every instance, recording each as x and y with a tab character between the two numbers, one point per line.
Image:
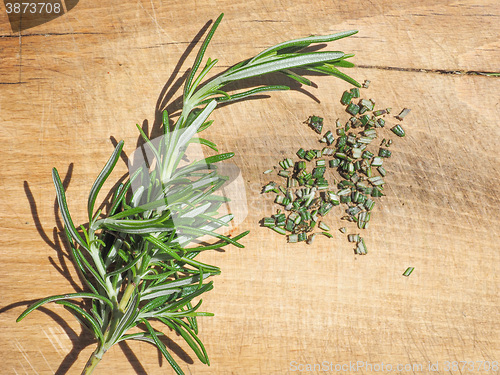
138	258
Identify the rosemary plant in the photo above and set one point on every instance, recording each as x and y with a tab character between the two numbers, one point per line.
138	259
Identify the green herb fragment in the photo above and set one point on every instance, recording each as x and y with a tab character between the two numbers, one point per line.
283	164
279	230
311	238
376	192
316	123
355	93
320	163
280	219
361	247
345	198
300	165
377	161
363	219
371	133
344	192
329	139
327	151
364	119
333	198
310	155
353	109
369	204
356	152
323	226
366	83
353	237
367	104
376	181
346	97
342	230
269	222
325	208
301	153
408	271
353	211
284	173
270	187
384	153
268	171
367	155
334	163
398	130
382	171
379	112
403	114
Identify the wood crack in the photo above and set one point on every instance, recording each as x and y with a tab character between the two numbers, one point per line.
50	34
435	71
13	83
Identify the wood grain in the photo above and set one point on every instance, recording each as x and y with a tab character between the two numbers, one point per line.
68	86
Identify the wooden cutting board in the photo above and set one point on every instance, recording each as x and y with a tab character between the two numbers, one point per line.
70	85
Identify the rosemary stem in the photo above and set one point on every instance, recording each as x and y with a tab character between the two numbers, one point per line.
94	360
126	296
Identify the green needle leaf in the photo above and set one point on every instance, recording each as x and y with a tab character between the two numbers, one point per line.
246	94
303	42
85	317
204	142
199	56
282	64
63	206
162	348
63	297
108	168
188	335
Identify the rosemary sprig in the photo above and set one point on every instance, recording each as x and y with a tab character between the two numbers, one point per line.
138	259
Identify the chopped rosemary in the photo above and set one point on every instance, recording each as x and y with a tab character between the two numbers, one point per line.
301	153
346	97
352	156
398	130
316	123
355	93
403	114
408	271
353	109
384	153
353	237
323	226
361	247
311	238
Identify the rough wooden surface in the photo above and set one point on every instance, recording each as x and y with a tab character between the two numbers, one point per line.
69	85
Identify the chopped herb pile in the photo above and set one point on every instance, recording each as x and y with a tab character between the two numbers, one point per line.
347	172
